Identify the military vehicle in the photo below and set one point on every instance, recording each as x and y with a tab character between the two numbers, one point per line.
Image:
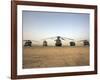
72	43
85	42
45	43
28	43
58	41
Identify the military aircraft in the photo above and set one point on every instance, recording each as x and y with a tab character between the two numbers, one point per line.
58	41
28	43
85	42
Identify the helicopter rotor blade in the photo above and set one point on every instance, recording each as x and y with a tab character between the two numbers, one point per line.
31	40
49	38
62	38
67	38
82	40
34	41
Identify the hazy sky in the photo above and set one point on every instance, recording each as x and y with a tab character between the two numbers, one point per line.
40	25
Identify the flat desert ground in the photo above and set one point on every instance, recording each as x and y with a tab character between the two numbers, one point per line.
42	57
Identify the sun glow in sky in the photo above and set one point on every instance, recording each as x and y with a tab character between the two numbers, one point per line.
41	25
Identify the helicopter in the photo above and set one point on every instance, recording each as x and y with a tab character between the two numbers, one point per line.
72	41
58	41
45	43
28	43
85	42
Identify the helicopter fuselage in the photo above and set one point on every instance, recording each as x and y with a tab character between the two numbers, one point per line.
58	42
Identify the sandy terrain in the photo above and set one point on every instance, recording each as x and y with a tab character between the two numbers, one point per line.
36	57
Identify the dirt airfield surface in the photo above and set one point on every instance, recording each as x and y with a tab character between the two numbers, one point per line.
43	57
